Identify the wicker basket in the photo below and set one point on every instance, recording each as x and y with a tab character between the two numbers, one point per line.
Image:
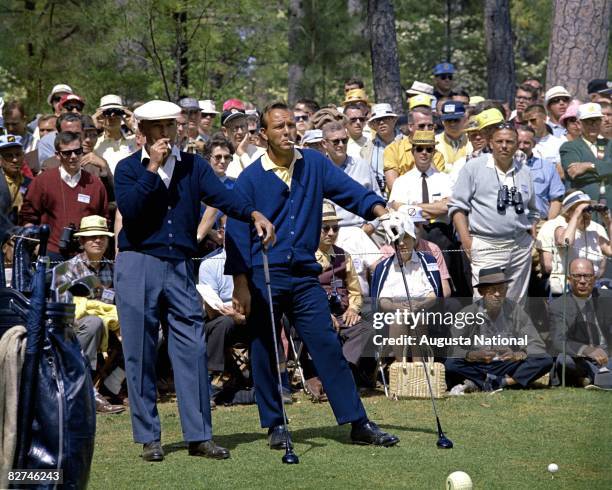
407	379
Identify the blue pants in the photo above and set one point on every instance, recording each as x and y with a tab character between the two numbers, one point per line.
149	291
523	372
304	302
575	369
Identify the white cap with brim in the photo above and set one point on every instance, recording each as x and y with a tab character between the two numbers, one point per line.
208	107
111	101
420	88
574	198
591	110
60	88
381	110
312	136
155	110
556	91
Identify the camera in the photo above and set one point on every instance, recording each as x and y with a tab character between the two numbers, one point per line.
67	242
595	208
335	303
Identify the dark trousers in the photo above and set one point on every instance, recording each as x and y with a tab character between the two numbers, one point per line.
304	302
523	372
149	291
576	368
221	334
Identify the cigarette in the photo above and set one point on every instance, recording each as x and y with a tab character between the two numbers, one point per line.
291	142
169	145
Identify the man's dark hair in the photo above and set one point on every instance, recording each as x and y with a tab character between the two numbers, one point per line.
46	117
525	127
65	138
68	117
353	105
269	108
13	105
87	122
604	104
488	104
461	92
313	105
217	139
354	81
525	87
535	107
421	110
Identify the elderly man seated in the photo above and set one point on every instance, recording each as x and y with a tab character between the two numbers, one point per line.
583	320
90	275
499	346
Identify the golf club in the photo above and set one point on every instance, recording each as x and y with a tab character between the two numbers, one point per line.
443	441
289	457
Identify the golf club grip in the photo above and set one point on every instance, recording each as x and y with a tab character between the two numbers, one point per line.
43	236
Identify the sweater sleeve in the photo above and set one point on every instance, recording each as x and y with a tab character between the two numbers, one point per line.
346	192
215	194
135	193
238	236
31	210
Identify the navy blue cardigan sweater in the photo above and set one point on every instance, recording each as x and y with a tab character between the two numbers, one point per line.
296	212
163	221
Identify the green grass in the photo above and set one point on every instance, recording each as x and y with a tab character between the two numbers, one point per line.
504	441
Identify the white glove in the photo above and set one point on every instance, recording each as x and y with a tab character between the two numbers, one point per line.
393	225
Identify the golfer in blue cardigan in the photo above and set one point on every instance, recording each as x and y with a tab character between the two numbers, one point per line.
288	186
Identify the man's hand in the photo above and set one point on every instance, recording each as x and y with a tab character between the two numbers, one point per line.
241	149
598	355
241	298
485	356
350	317
368	229
393	225
265	229
578	168
335	323
97	161
158	152
466	244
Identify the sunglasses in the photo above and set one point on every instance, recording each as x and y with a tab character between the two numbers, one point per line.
334	228
9	155
570	120
55	99
353	120
113	112
252	131
68	153
207	114
556	100
421	149
301	118
337	141
505	125
218	158
72	107
445	77
525	99
579	277
423	126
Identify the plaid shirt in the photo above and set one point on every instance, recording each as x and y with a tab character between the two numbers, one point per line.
79	266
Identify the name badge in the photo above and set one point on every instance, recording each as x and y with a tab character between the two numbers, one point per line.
84	198
357	264
432	266
23	189
108	296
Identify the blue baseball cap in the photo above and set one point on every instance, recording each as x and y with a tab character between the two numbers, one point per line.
10	140
443	68
452	109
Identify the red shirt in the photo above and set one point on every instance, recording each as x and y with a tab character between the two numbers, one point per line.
49	200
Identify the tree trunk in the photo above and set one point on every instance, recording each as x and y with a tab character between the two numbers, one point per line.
296	67
181	80
501	76
578	49
383	50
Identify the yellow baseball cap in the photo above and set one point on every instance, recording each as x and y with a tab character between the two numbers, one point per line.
472	125
419	100
489	117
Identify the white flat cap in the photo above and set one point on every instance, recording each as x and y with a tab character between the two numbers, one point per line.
155	110
589	111
420	88
208	106
312	136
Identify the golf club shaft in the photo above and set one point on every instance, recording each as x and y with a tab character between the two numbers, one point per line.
266	267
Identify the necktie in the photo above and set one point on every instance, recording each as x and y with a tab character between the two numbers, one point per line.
424	188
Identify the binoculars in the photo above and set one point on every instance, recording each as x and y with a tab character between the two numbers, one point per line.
510	197
335	303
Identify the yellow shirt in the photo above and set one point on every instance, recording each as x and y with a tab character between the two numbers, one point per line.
452	151
398	156
352	281
283	173
14	186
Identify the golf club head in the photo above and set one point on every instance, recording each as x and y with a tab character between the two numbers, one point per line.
290	458
444	442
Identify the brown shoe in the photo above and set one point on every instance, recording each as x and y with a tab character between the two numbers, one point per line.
104	406
208	449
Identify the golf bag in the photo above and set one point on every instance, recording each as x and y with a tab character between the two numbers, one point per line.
56	409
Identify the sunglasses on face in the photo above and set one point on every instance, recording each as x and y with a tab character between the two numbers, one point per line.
235	129
55	99
334	228
525	99
570	120
445	77
337	141
191	112
205	114
420	149
73	107
556	100
423	126
353	120
113	113
219	158
301	118
68	153
12	156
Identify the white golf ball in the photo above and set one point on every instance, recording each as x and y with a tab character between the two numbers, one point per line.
458	480
553	468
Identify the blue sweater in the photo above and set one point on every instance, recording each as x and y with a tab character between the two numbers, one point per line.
163	221
296	212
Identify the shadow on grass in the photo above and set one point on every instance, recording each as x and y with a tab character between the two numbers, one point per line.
309	436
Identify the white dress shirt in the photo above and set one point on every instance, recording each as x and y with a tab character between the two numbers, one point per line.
420	287
71	180
166	170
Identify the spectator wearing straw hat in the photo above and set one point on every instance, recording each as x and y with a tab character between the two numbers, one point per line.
56	94
382	121
419	88
556	101
209	112
587	161
114	144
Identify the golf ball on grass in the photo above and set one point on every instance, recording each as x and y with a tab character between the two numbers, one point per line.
458	480
553	468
